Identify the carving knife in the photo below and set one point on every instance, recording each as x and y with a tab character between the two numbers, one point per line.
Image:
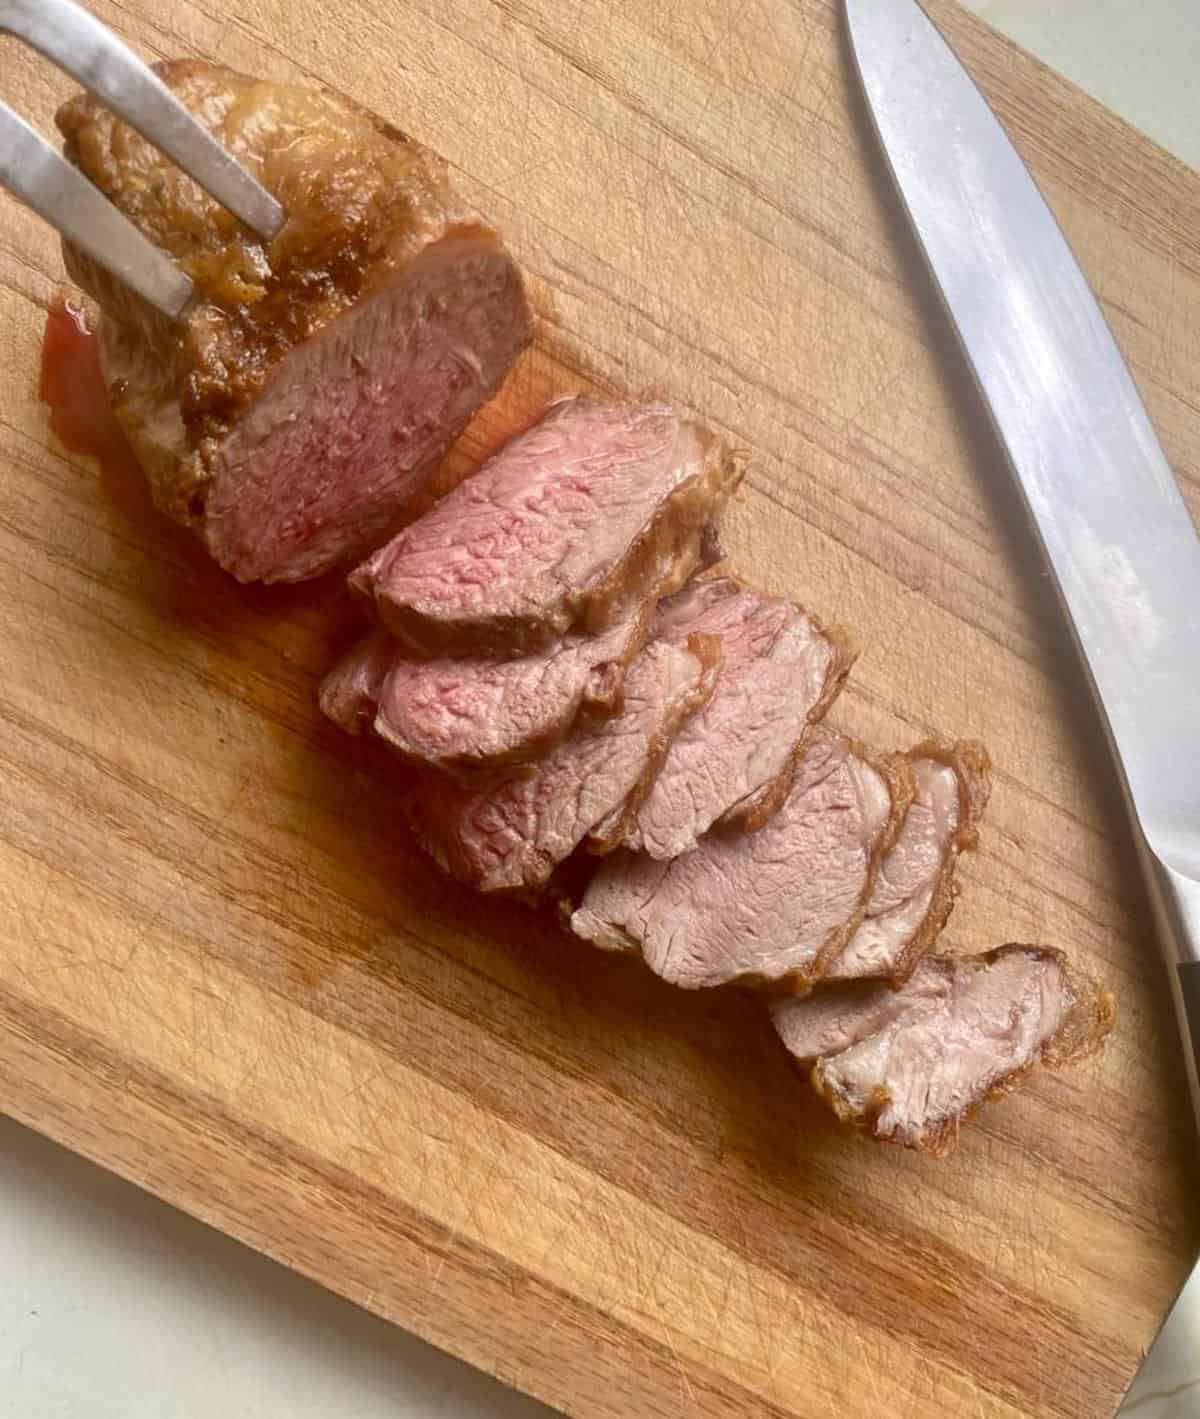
1106	508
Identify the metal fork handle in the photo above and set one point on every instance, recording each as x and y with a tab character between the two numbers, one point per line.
76	41
43	179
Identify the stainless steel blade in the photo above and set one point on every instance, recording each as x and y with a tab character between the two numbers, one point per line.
1116	531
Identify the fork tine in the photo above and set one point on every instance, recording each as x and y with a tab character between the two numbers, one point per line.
43	179
76	41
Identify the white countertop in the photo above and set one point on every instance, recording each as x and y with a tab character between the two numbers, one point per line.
114	1306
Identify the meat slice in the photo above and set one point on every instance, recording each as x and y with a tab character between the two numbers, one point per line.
915	889
770	907
510	835
594	508
349	693
317	379
780	671
910	1065
476	713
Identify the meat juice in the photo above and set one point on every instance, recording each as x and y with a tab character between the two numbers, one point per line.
73	387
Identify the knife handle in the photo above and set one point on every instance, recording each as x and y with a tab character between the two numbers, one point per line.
1175	896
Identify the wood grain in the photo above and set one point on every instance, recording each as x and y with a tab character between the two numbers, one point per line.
225	974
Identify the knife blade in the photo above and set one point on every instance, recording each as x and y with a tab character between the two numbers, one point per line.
1115	530
1106	508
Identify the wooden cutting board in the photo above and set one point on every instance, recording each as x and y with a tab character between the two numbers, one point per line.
225	974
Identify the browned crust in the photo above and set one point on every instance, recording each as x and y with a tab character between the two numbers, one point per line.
1084	1028
1090	1019
972	766
655	564
666	553
179	389
266	317
608	835
896	771
592	709
758	808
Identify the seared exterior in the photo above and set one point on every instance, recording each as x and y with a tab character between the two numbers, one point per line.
765	908
511	834
315	380
780	671
910	1065
916	887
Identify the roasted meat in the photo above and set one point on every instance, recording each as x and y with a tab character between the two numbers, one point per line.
596	508
732	761
474	714
316	380
909	1065
915	889
349	693
510	834
470	715
771	907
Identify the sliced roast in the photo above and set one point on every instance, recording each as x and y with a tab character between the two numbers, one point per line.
771	907
477	713
473	714
315	381
915	888
780	670
596	507
349	694
510	834
908	1065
